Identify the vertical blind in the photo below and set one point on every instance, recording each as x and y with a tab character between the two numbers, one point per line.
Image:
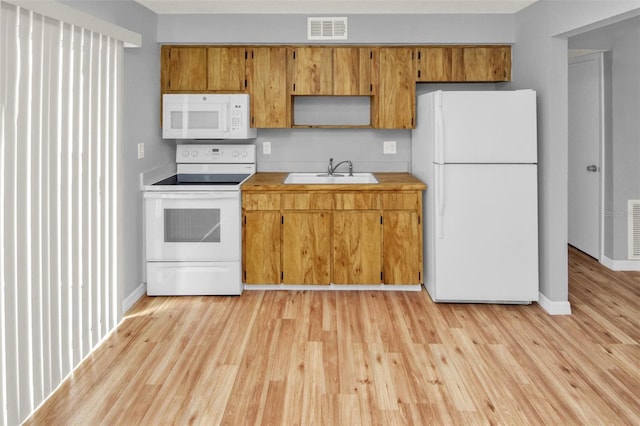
59	141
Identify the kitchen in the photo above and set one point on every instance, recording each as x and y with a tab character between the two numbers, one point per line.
538	58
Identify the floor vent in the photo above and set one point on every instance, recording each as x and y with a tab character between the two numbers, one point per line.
327	28
634	229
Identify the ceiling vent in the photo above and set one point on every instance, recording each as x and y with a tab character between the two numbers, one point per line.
634	229
327	28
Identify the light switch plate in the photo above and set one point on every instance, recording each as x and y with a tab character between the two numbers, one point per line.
266	148
140	150
389	147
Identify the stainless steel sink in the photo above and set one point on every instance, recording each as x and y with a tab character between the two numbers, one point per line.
325	179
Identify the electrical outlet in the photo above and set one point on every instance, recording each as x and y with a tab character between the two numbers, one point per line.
389	147
140	150
266	148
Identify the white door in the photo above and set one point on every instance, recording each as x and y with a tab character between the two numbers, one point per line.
585	146
486	233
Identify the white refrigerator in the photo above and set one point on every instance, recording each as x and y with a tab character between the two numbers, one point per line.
477	153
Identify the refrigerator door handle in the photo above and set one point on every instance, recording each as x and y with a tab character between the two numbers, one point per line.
440	199
439	133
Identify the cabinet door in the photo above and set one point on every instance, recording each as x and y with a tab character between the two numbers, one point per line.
434	64
479	64
310	70
396	97
354	71
226	69
184	69
402	247
261	247
357	247
267	87
306	247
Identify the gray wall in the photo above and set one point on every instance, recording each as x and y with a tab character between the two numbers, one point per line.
540	63
622	182
367	29
141	123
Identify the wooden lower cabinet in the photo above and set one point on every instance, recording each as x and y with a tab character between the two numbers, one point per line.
402	247
321	238
261	247
306	247
357	247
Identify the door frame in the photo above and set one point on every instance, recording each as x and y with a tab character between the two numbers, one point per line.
598	56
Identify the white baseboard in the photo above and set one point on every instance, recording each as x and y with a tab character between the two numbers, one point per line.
621	265
554	308
350	287
140	291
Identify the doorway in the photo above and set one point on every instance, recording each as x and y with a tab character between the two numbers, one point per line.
586	154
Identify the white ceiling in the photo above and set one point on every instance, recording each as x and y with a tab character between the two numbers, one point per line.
334	7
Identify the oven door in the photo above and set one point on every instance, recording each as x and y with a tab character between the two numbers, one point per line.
193	226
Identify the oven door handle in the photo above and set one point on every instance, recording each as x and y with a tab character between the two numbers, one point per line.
231	195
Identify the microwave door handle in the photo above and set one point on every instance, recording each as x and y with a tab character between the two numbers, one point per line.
225	118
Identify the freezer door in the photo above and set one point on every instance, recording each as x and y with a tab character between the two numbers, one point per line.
486	234
486	127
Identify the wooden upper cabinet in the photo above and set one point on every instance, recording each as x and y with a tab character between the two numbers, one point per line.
310	70
480	64
434	64
226	69
463	64
184	69
203	69
340	71
354	71
267	87
395	100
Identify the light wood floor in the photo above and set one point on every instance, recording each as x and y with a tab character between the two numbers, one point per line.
365	358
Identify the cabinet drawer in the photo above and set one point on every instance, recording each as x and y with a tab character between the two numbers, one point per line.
265	201
357	201
312	201
400	201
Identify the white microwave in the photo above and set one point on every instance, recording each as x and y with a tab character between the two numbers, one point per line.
206	116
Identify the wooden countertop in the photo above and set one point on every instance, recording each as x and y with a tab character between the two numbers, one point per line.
273	181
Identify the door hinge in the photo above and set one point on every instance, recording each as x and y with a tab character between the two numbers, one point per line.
371	54
252	54
419	276
245	276
294	87
246	54
419	55
418	73
282	276
245	83
294	54
381	277
245	220
419	220
371	87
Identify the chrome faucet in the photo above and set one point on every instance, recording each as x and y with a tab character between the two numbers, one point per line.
332	169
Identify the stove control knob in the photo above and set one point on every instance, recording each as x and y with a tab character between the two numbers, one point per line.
244	153
194	153
235	153
185	153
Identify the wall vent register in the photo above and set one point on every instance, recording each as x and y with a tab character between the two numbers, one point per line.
327	28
